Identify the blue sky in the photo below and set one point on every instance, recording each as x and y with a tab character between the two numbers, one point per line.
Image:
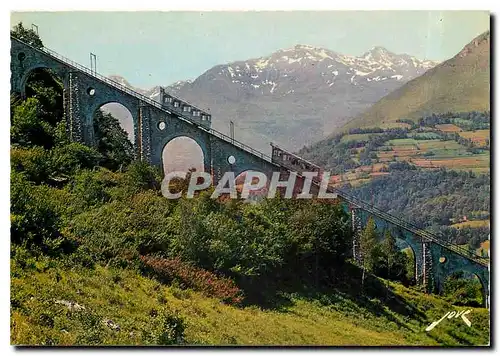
159	48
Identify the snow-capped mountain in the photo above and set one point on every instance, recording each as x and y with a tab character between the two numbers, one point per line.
280	72
295	96
459	84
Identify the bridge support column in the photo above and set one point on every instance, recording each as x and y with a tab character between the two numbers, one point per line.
215	169
73	113
426	274
356	235
143	134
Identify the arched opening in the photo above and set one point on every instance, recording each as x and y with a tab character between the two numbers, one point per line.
410	258
120	113
114	134
464	288
393	258
182	154
45	89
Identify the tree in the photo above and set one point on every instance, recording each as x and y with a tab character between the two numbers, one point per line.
112	141
26	35
35	213
26	127
368	243
409	259
44	85
394	258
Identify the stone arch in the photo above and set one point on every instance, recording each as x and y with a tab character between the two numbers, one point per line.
183	145
413	250
475	273
124	116
100	102
416	247
92	102
28	72
165	128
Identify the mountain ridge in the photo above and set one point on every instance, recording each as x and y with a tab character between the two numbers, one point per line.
295	95
461	83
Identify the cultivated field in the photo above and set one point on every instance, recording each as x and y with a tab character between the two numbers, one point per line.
481	162
448	128
479	137
472	223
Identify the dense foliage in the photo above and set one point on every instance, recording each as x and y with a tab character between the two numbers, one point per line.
473	120
112	141
26	35
463	290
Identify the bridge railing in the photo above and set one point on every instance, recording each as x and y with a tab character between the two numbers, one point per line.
150	101
241	145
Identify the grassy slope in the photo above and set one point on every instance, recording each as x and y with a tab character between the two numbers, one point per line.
127	299
459	84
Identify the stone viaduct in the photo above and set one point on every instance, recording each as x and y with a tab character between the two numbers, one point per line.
157	123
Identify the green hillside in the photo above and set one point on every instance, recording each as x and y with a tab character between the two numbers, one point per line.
132	304
458	141
462	83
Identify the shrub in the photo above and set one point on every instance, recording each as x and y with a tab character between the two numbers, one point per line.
36	213
92	331
188	276
70	158
141	176
320	236
26	127
118	231
171	329
88	189
35	162
167	328
239	241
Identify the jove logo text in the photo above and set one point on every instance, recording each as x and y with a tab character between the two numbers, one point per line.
450	315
